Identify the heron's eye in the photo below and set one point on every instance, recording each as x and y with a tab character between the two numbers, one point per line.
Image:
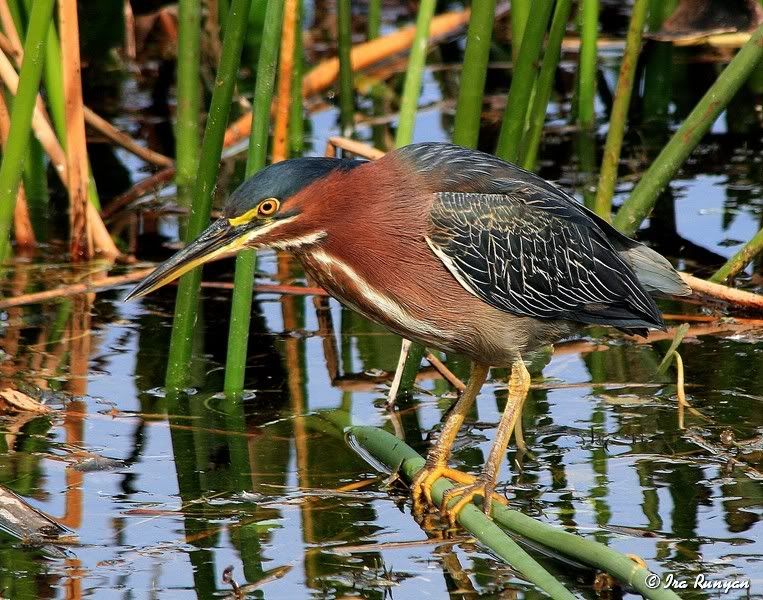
268	207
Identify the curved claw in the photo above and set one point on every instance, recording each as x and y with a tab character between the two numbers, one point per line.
465	494
422	484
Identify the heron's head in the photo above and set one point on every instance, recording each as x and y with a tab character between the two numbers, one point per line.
261	212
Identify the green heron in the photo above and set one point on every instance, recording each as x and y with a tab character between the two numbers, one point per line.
452	248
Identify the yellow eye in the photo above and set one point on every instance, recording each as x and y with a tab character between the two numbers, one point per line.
268	207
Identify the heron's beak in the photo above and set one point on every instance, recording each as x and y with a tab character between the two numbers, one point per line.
219	240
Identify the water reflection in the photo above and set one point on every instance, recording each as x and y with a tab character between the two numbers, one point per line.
268	484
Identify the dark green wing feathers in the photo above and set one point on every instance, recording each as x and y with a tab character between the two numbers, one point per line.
526	247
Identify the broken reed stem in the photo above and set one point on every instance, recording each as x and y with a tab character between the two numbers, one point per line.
80	235
409	103
522	82
23	107
246	260
544	85
187	128
108	283
285	69
395	454
643	197
608	175
186	305
471	90
346	94
120	138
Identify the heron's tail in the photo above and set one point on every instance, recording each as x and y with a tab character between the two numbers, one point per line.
654	271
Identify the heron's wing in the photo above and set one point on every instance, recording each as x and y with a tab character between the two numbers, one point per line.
525	252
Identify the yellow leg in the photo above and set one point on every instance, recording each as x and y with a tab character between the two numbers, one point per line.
456	498
437	459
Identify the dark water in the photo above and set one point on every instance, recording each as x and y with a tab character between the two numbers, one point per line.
270	486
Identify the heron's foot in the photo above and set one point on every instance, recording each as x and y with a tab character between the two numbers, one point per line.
421	488
455	499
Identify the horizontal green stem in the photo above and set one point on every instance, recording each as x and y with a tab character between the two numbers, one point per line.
641	201
394	453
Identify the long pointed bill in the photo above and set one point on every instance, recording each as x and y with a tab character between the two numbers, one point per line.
217	241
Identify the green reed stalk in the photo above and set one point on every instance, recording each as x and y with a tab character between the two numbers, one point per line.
641	201
296	114
395	454
53	80
187	130
246	261
346	94
186	305
223	7
739	261
409	103
522	81
21	112
520	12
589	31
545	84
374	18
404	135
619	117
470	93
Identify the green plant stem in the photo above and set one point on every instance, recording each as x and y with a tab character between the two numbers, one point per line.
187	131
409	103
520	12
374	18
395	454
641	201
53	80
411	367
522	81
404	135
619	117
470	93
246	261
35	178
739	261
296	115
545	84
186	305
21	112
346	94
589	31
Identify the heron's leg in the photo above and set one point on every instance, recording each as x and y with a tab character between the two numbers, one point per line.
437	459
484	486
395	386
